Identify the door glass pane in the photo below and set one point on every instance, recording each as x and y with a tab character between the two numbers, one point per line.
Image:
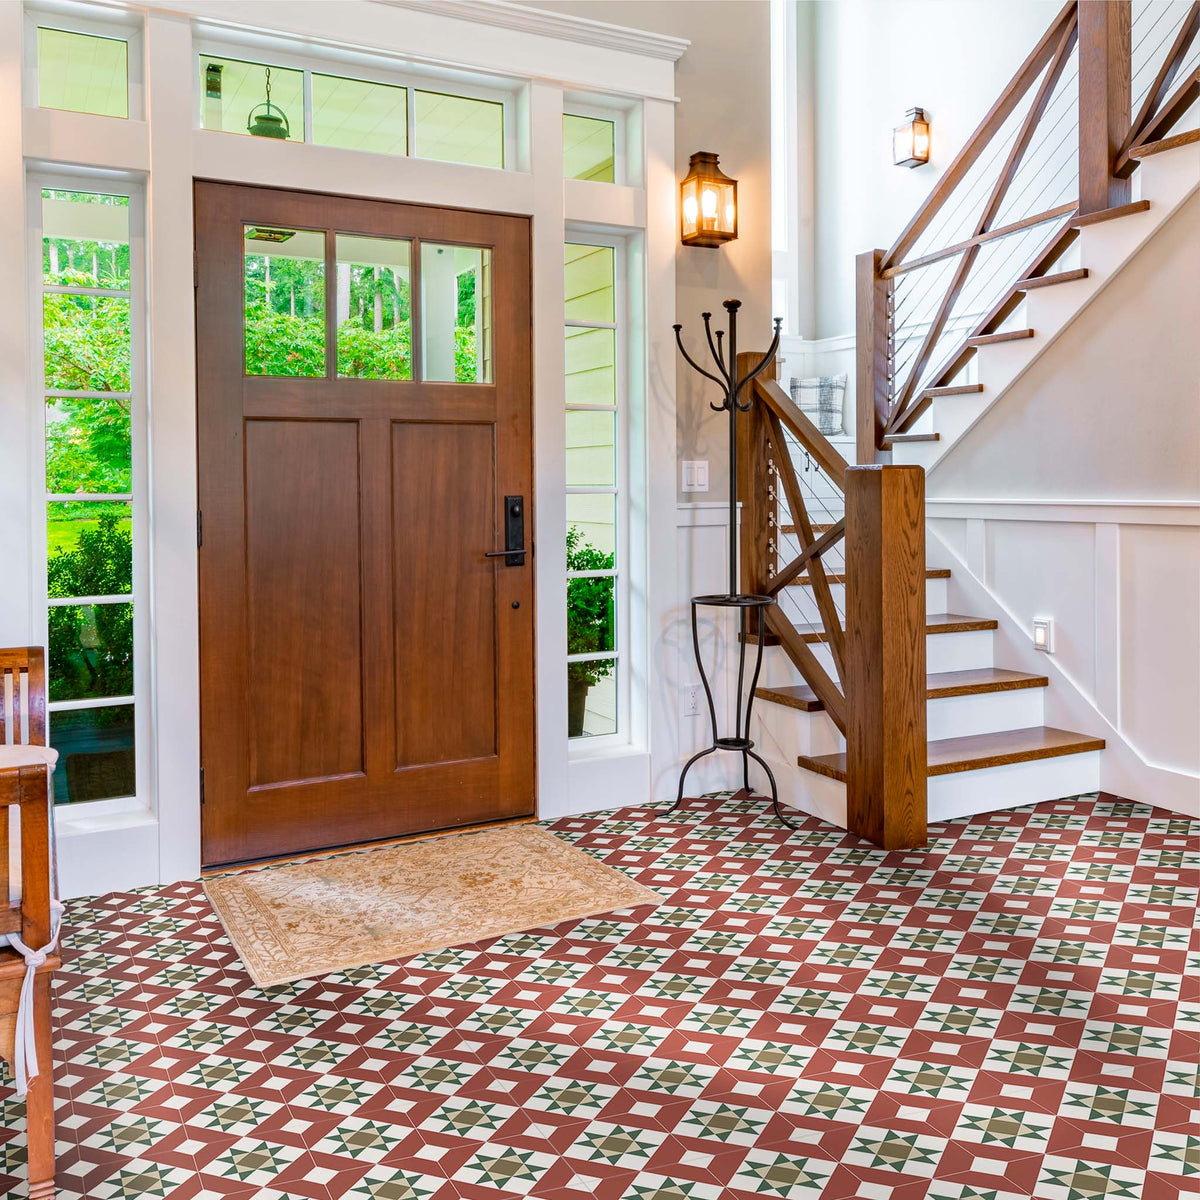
85	239
592	520
591	449
83	73
591	376
459	129
88	445
456	314
591	613
95	753
285	301
91	651
89	548
233	98
374	308
588	148
590	294
86	342
592	697
358	115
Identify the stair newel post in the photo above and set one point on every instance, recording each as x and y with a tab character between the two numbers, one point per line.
1105	101
885	683
872	390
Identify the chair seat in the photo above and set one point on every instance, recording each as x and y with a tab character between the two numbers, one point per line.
26	756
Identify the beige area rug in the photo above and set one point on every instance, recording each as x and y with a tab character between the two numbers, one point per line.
331	914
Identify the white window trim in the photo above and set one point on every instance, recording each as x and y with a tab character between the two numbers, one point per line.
395	72
625	571
86	813
125	27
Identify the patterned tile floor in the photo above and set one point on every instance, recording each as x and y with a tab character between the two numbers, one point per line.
1008	1013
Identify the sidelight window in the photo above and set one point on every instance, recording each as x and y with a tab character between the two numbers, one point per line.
92	387
595	548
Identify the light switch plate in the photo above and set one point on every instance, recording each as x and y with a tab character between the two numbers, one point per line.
695	476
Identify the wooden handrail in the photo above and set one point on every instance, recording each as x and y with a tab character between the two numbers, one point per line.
992	235
1029	70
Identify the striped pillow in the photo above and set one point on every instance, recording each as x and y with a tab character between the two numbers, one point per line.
820	399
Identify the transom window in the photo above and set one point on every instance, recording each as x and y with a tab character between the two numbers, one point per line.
91	384
288	103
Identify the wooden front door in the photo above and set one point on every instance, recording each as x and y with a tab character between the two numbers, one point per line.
365	440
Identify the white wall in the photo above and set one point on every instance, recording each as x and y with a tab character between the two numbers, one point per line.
724	87
1110	411
1077	496
867	62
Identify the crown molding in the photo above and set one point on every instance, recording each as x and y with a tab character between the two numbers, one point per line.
544	23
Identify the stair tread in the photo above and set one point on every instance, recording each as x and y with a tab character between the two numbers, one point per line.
991	339
1109	214
954	389
1037	281
911	437
934	623
937	686
805	581
978	751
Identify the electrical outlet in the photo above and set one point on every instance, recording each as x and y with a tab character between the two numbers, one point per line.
691	701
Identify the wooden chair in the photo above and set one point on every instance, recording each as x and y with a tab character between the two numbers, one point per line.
25	769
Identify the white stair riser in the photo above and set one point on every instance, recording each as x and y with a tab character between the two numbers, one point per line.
987	712
800	603
794	732
968	651
966	793
953	797
784	733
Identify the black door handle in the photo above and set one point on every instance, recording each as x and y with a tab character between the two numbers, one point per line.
514	533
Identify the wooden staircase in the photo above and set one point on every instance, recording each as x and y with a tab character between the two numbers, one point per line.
879	706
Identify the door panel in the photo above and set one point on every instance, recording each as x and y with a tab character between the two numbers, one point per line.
302	572
366	672
443	487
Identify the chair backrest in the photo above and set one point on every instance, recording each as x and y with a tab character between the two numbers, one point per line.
23	696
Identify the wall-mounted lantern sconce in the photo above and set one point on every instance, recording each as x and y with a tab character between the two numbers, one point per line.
910	141
708	203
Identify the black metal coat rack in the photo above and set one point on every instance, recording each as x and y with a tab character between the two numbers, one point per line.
725	359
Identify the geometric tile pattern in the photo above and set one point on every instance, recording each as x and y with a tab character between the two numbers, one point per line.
1011	1012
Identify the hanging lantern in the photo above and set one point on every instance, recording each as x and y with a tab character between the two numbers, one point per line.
267	119
910	141
708	203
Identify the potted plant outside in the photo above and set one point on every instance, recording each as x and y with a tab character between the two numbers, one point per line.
590	624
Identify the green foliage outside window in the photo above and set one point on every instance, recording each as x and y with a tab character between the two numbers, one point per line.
285	323
590	618
91	646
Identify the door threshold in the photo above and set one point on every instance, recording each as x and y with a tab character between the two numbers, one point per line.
354	847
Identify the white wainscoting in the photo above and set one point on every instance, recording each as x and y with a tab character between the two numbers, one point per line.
1121	581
